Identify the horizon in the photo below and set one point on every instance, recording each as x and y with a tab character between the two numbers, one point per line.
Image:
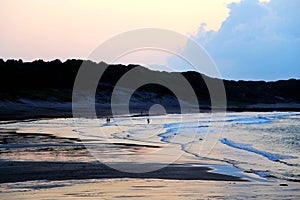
149	99
140	65
246	39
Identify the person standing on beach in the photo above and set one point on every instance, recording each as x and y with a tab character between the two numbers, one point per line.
148	120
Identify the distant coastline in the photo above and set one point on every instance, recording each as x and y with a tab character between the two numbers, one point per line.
42	89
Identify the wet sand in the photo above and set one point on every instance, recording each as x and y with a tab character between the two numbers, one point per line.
17	171
133	188
47	160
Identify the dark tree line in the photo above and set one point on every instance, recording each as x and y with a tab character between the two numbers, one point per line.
17	77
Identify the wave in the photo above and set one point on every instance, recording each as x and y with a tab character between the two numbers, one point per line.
185	129
179	124
251	120
260	119
168	135
242	120
249	148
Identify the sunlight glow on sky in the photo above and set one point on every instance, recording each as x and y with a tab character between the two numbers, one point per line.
247	39
50	29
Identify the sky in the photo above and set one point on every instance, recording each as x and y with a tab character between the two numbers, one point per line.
247	39
257	41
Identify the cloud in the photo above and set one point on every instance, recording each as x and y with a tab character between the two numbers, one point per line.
258	40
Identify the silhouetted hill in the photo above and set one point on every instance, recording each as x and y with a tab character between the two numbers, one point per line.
53	82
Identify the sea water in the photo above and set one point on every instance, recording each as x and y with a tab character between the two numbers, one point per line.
264	143
267	144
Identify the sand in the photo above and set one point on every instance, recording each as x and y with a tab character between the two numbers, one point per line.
17	171
78	180
70	172
132	188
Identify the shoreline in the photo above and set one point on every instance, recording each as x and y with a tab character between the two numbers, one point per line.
15	111
49	141
42	171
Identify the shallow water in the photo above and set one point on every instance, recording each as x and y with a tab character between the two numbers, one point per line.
266	144
268	149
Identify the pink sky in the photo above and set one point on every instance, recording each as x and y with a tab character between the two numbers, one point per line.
51	29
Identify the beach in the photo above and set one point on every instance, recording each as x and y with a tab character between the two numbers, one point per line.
194	156
150	99
147	188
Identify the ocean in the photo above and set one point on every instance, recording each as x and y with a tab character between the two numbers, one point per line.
263	144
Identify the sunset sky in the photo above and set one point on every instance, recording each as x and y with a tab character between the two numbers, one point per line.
247	39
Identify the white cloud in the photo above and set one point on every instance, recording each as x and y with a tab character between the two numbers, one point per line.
258	40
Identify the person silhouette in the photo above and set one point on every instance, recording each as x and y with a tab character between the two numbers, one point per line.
148	120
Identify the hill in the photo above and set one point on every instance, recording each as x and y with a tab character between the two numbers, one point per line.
44	89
